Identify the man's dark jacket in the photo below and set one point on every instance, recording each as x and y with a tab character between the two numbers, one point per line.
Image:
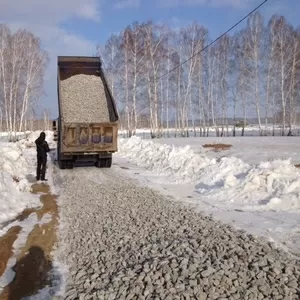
42	147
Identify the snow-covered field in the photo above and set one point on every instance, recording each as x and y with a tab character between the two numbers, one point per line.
250	130
251	150
254	184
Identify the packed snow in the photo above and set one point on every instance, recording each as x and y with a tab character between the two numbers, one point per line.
17	174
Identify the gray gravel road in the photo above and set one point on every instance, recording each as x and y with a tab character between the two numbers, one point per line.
124	241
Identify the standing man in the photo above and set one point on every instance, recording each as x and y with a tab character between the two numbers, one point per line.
42	148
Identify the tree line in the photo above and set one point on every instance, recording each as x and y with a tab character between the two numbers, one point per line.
22	67
254	72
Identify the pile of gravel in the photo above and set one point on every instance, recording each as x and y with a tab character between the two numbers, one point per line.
127	242
83	99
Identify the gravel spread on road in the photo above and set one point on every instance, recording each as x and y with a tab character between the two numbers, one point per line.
124	241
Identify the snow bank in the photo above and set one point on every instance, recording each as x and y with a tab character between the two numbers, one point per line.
5	136
17	169
180	164
28	141
271	185
13	182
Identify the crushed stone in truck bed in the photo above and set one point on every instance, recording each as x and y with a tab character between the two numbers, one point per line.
84	100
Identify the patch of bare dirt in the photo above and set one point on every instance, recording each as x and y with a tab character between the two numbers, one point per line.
35	260
297	166
6	243
217	147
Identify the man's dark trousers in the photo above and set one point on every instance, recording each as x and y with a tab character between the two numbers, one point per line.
41	167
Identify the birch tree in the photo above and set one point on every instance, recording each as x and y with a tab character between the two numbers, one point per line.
111	60
169	77
294	77
155	37
126	82
270	62
211	85
22	66
33	68
255	72
199	79
224	46
243	86
4	53
190	39
283	66
253	40
137	53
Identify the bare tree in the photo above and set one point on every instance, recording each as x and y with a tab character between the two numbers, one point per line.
199	79
284	55
34	64
4	53
253	42
137	53
22	65
155	37
111	59
190	40
46	119
211	82
270	66
255	73
224	69
294	75
126	82
169	51
242	70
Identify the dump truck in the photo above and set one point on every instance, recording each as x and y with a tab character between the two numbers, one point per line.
87	126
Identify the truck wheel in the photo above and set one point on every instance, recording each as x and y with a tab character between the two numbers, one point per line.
104	162
69	164
62	164
108	162
100	163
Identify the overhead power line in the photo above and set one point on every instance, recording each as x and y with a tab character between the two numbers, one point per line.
218	38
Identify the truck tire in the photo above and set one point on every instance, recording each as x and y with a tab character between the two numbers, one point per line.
62	164
108	162
69	164
104	162
100	163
